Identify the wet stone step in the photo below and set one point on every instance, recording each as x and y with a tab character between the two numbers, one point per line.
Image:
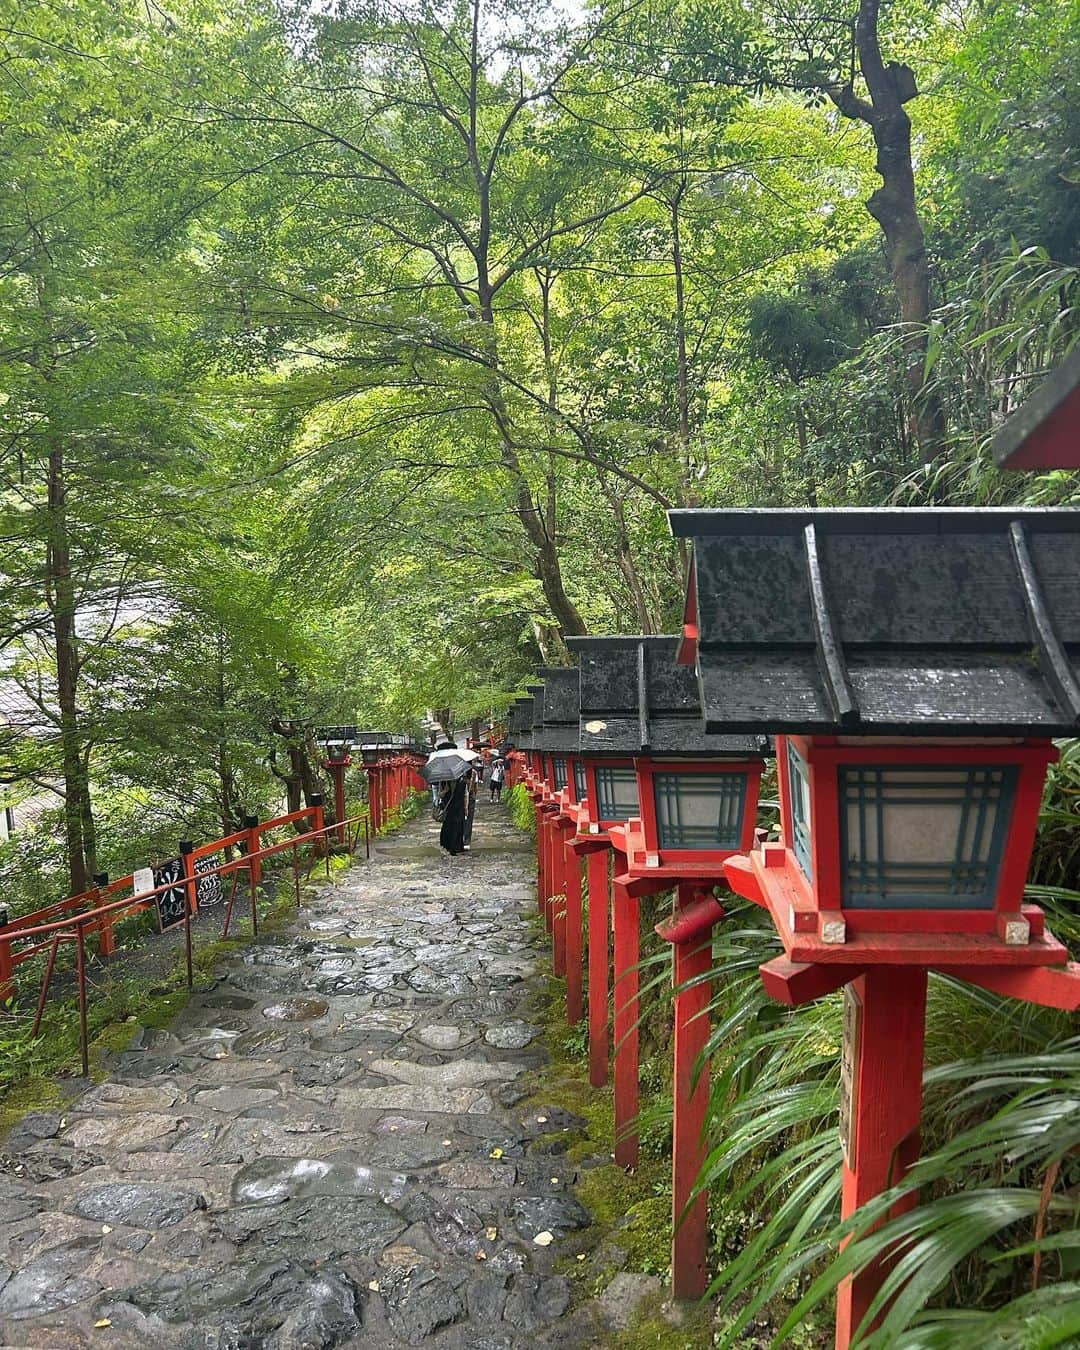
327	1148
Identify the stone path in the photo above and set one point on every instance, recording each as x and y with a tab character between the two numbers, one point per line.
328	1148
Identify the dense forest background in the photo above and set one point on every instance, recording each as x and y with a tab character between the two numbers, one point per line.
351	353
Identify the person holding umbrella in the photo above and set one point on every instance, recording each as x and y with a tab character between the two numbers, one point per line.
451	768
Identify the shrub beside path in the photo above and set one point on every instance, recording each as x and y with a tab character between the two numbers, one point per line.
330	1146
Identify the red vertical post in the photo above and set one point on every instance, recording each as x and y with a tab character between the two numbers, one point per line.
191	904
558	902
572	931
7	971
690	1238
106	933
884	1031
549	871
252	845
626	1025
186	847
374	814
541	880
545	871
599	925
337	772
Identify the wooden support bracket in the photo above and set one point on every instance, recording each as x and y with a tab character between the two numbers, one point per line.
794	983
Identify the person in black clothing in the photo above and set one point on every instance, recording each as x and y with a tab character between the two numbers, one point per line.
455	798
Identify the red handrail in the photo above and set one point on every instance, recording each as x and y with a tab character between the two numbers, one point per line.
75	927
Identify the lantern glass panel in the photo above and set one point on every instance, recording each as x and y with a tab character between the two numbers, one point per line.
699	810
580	783
799	790
924	837
616	793
559	765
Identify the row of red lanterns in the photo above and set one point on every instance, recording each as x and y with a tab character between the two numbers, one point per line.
908	669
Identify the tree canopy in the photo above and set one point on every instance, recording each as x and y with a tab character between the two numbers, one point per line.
351	354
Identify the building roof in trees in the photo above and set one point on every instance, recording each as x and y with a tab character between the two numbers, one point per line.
635	699
902	622
1044	432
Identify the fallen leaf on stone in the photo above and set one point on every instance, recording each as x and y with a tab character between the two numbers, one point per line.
544	1239
554	1181
447	1143
481	1255
102	1322
491	1234
495	1153
106	1228
373	1285
581	1256
541	1120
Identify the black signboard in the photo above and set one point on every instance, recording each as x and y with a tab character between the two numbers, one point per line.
172	903
208	888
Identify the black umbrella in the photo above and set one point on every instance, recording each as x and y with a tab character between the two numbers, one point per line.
447	766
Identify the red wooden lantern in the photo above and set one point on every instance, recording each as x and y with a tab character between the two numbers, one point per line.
376	750
1044	432
696	801
916	664
337	760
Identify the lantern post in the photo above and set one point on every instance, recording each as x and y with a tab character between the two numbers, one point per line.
914	665
696	802
337	760
556	730
607	688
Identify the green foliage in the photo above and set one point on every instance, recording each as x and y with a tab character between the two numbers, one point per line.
522	812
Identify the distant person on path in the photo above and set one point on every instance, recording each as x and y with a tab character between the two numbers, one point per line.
498	773
453	797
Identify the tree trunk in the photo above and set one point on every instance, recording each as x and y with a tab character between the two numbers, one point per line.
681	357
547	567
625	559
893	206
61	593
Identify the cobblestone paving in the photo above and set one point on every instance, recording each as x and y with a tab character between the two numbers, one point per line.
329	1147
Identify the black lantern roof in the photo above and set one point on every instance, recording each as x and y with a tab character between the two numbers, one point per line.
524	713
947	621
558	708
635	698
517	722
380	740
336	735
1044	432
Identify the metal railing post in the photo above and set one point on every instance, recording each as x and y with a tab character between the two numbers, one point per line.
186	849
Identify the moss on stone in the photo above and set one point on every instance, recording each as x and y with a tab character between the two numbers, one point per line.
35	1093
654	1328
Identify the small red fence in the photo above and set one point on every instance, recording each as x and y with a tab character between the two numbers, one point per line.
94	913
